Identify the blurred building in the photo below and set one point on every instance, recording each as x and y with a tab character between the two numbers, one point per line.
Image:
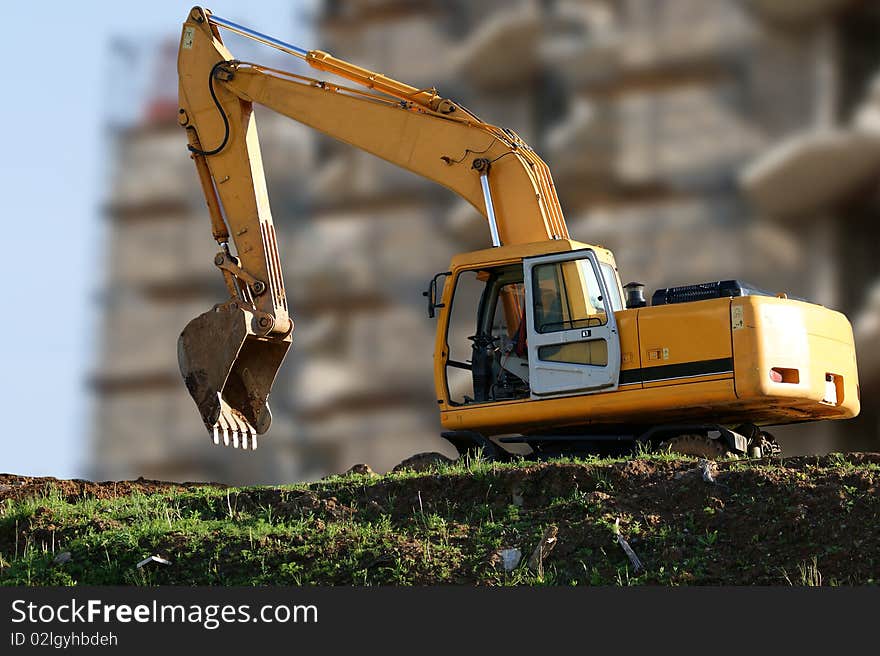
663	122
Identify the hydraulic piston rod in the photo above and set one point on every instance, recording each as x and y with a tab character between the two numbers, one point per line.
283	46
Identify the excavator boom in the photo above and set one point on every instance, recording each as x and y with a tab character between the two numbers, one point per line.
230	356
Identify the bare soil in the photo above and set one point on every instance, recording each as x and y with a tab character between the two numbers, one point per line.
797	521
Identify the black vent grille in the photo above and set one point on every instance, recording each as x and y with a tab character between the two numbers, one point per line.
704	291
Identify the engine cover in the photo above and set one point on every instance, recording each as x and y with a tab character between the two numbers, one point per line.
705	291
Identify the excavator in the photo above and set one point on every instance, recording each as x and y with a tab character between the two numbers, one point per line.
537	342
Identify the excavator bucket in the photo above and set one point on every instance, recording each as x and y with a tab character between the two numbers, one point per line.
229	371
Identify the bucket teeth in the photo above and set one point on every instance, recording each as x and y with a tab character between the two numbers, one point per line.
228	370
232	429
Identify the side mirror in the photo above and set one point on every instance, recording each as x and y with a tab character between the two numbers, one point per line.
431	293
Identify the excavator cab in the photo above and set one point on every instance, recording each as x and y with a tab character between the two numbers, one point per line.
545	326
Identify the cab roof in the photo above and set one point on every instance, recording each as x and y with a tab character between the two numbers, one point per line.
506	254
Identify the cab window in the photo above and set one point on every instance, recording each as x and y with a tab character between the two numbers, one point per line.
567	296
612	286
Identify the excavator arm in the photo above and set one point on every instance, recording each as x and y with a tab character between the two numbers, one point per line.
414	129
229	356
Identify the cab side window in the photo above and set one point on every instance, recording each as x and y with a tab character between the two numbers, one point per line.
469	288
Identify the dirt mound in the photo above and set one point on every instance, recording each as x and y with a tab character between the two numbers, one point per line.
805	520
23	487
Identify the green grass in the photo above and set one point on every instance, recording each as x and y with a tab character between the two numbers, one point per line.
805	521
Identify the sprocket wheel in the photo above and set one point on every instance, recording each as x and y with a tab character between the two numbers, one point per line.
699	446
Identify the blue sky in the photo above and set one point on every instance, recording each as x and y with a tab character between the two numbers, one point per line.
54	117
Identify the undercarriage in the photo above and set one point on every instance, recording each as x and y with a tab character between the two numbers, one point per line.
710	441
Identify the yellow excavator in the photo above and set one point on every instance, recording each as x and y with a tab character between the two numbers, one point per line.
538	343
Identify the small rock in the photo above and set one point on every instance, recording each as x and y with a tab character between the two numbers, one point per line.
708	470
62	558
510	558
517	498
362	469
423	462
693	474
598	497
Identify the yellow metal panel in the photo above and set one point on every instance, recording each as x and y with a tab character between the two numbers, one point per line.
628	329
511	253
684	333
631	404
810	339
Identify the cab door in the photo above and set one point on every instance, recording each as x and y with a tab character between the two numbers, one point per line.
573	343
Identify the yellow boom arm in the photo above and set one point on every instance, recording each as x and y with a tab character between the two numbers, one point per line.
416	129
